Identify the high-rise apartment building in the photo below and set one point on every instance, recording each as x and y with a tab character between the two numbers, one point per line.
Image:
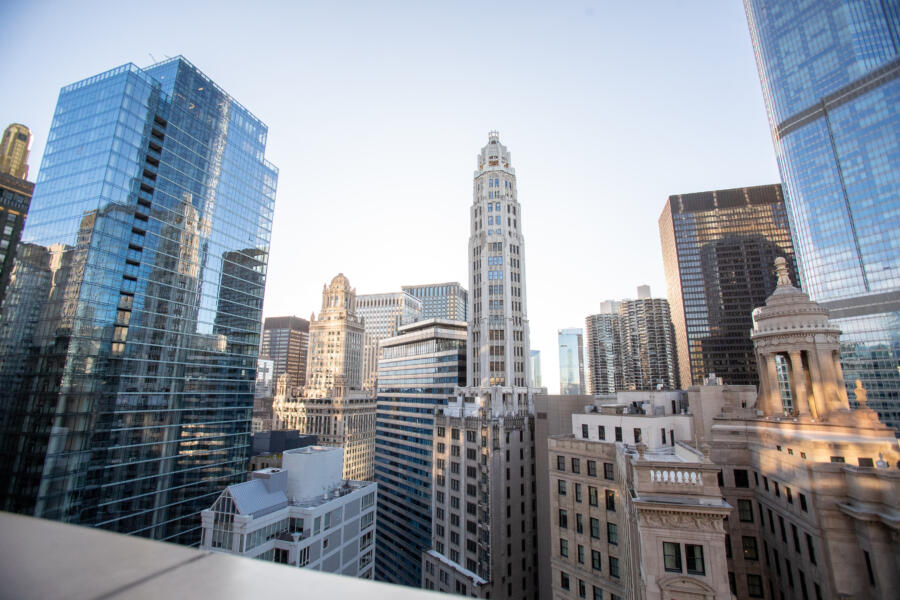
603	333
536	369
285	341
648	344
419	371
441	300
301	514
484	509
15	145
155	213
571	361
718	248
15	197
830	73
331	404
382	316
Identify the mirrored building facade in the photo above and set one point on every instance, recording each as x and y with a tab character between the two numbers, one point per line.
830	73
718	251
571	361
148	239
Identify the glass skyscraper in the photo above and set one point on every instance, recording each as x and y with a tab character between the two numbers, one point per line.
441	300
719	250
830	73
148	236
571	361
419	370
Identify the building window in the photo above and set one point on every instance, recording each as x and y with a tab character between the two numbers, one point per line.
672	557
837	459
810	549
560	463
577	492
592	468
595	528
614	567
748	543
563	519
610	500
582	589
576	465
598	593
601	432
741	480
596	559
564	580
580	554
745	511
563	548
693	553
609	471
612	534
803	502
592	495
618	434
561	487
754	586
579	523
732	584
584	431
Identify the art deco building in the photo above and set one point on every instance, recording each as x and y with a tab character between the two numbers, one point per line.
830	74
285	341
382	315
15	145
484	509
805	495
138	366
441	300
571	361
718	249
331	404
419	371
15	198
301	514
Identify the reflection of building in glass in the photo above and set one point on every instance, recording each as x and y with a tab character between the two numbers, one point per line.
536	369
15	145
15	196
156	213
830	74
718	251
286	342
382	315
571	361
441	300
419	371
604	350
331	404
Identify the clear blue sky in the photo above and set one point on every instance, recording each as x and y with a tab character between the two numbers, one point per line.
377	109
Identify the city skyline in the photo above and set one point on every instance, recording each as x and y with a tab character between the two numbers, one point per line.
585	129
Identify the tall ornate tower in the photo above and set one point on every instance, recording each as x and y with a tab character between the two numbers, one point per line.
14	148
498	348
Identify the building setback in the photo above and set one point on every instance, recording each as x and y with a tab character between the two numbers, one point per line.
830	74
571	361
484	509
718	248
419	371
138	372
302	515
441	300
382	316
331	405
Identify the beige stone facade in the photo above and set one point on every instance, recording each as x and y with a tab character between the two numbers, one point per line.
331	404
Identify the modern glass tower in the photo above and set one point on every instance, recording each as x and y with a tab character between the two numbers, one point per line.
571	361
419	370
441	300
830	73
154	206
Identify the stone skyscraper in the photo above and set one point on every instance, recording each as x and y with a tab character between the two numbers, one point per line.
133	397
15	146
382	315
830	73
484	510
331	405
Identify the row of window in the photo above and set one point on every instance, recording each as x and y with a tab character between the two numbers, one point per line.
608	468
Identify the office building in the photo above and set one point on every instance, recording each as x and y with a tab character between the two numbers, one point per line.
331	405
155	211
15	197
263	396
302	515
285	341
419	371
484	509
829	73
382	316
441	300
15	145
536	369
718	248
571	361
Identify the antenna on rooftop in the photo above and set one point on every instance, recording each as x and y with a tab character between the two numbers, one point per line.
151	57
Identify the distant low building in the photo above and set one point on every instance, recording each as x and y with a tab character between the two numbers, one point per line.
267	447
303	515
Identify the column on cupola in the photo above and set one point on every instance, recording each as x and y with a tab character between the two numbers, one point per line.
798	384
774	406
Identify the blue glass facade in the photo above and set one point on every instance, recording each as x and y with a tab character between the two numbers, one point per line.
571	361
154	208
830	71
418	371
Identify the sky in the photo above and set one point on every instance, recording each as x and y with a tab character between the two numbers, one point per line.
376	111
